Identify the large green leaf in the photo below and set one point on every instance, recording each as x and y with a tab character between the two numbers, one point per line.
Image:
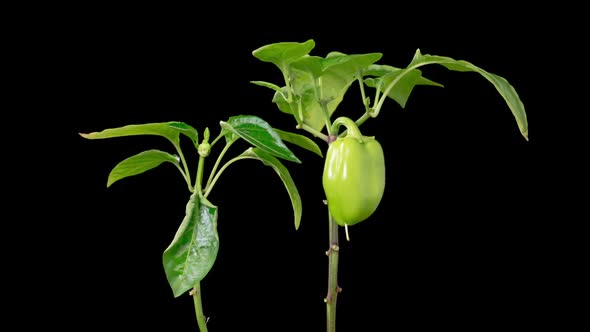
192	252
283	172
169	130
404	86
300	140
281	54
140	163
259	133
505	89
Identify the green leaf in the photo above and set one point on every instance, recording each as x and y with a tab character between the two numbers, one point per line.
279	99
401	91
300	140
283	172
139	163
192	252
169	130
380	70
355	64
259	133
505	89
186	130
281	54
309	64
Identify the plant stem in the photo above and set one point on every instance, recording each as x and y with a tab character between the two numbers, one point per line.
186	172
333	288
214	169
312	131
201	319
199	181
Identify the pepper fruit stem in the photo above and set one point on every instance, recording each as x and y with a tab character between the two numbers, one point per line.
351	127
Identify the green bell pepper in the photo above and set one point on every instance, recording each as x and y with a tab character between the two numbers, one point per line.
354	175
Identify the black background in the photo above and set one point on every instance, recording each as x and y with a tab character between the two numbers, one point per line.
469	234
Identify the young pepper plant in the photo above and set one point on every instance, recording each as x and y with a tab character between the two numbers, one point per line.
193	250
311	91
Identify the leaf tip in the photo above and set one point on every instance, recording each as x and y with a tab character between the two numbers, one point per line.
85	135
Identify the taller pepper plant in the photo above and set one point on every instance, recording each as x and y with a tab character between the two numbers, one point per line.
354	168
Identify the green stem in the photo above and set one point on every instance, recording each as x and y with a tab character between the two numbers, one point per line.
201	319
210	186
369	111
323	104
312	131
363	95
221	154
221	134
200	168
187	176
333	288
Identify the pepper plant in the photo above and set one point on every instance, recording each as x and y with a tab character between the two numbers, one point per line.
354	170
193	250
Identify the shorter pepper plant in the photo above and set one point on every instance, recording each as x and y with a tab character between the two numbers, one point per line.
193	250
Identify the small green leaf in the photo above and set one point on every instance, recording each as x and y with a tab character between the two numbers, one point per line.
300	140
192	252
139	163
279	99
355	64
281	54
505	89
283	172
259	133
169	130
403	88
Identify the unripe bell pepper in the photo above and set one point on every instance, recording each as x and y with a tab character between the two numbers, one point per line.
354	175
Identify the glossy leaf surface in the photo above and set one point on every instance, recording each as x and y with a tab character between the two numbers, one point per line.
192	252
259	133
